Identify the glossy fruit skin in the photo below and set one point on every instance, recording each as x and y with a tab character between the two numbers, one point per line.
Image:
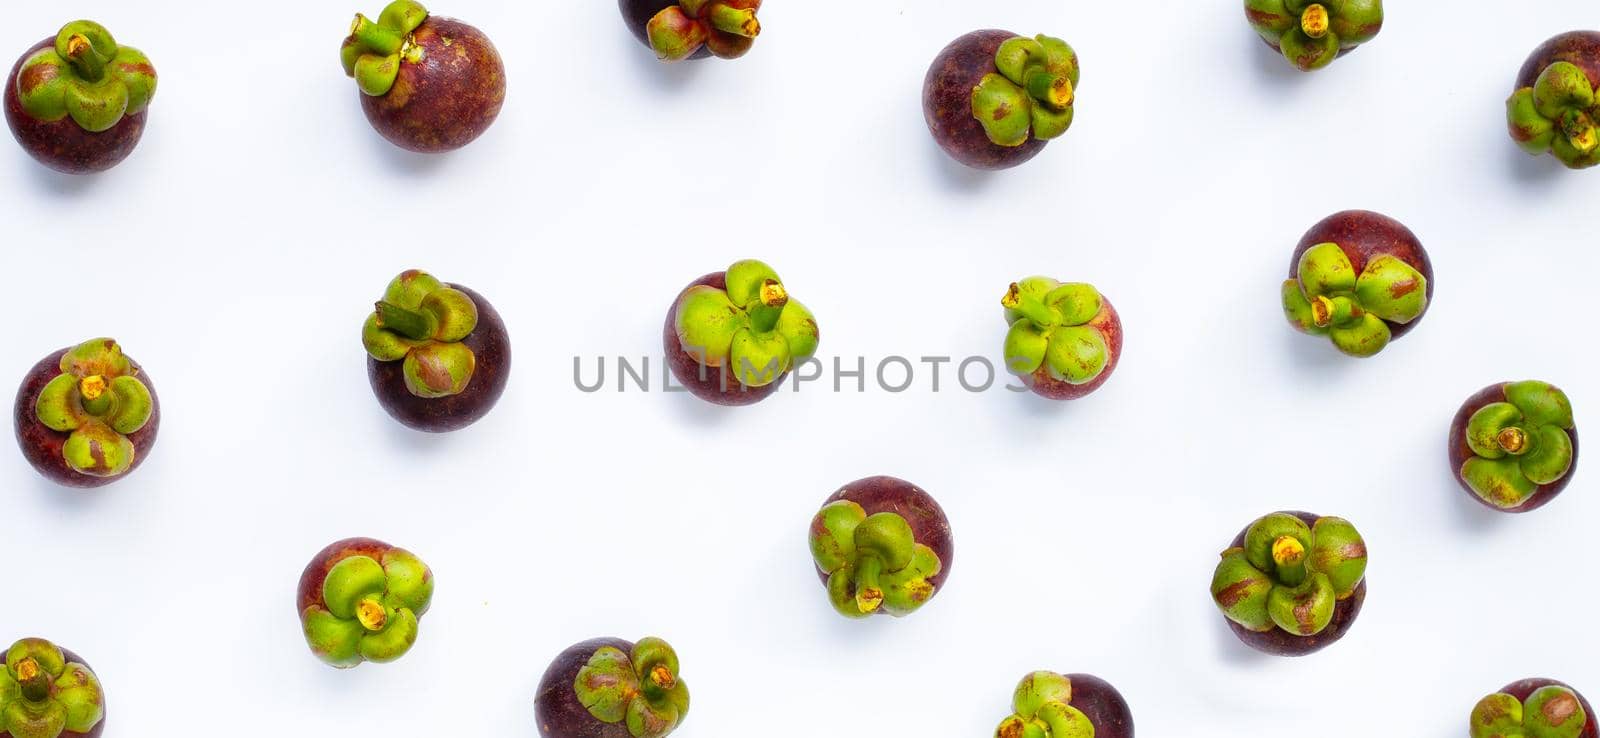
1524	689
64	145
929	526
100	727
41	445
637	14
1279	642
1460	452
446	100
712	384
1109	324
556	706
490	344
1103	705
947	103
1581	48
1363	235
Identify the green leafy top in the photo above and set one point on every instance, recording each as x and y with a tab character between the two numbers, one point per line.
42	695
1560	114
1311	34
99	399
1033	93
86	75
1520	444
1550	712
373	51
873	562
369	609
727	28
752	326
1043	709
423	321
641	689
1290	575
1050	328
1328	298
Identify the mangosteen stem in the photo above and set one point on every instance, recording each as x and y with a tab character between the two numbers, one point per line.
35	683
1290	556
1514	441
869	591
92	394
768	306
372	614
417	326
375	38
1580	130
1031	308
737	21
1314	21
80	52
1052	89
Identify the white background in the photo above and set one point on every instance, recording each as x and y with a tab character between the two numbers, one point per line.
237	252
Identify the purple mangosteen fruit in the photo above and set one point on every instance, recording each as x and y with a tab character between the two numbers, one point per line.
1360	278
882	546
610	688
1535	708
731	337
361	600
49	692
1555	106
1312	34
428	84
1065	339
693	29
993	99
86	416
1050	705
1292	583
1513	445
438	355
77	102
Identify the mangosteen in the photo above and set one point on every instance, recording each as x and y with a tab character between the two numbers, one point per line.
693	29
882	546
1538	708
360	600
1513	445
87	415
428	84
1292	583
1360	278
993	99
610	688
1065	339
731	337
77	102
438	355
1555	107
1310	34
48	692
1066	706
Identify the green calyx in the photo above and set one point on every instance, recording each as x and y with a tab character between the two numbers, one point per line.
1311	34
727	28
369	609
752	327
1559	114
1032	94
1289	575
641	689
422	322
1550	712
1519	445
42	695
1328	298
1043	709
873	562
98	400
1050	327
373	51
86	76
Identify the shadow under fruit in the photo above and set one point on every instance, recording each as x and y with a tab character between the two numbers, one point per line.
610	688
78	102
87	416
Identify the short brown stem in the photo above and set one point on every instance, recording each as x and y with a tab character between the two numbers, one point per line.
1513	441
81	53
737	21
412	324
33	681
372	615
662	678
1290	556
375	38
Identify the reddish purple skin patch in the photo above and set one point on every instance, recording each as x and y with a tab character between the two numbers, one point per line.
41	445
715	385
1103	705
1364	235
1581	48
1279	642
447	99
64	145
556	706
1460	451
491	347
947	103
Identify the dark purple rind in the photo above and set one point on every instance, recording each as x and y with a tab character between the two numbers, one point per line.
310	590
714	386
1279	642
1581	48
638	13
556	706
41	445
1103	705
1362	235
947	103
1110	326
491	346
929	526
64	145
1460	451
1524	689
448	98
